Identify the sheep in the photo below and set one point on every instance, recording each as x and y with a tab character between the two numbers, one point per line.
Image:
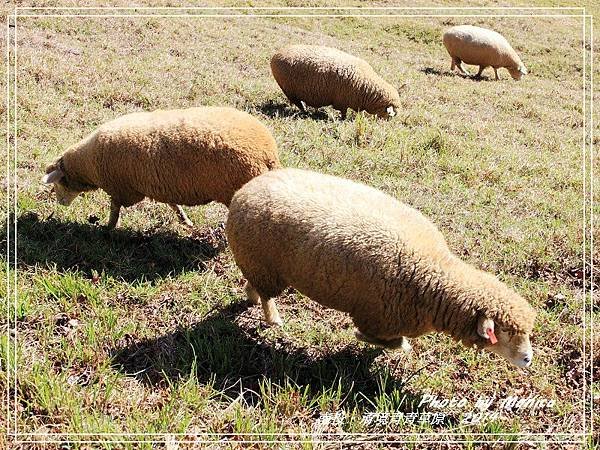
482	47
181	157
355	249
321	76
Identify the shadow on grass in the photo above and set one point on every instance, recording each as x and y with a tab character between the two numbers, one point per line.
439	73
445	73
218	350
277	110
121	253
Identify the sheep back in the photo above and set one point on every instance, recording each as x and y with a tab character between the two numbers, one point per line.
480	46
341	243
323	76
184	156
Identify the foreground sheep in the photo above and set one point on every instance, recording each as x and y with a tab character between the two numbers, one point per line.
180	157
322	76
482	47
355	249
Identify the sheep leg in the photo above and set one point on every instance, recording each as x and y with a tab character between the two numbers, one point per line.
460	67
271	314
496	72
391	344
299	103
251	293
268	304
456	62
481	68
181	215
115	210
343	112
404	344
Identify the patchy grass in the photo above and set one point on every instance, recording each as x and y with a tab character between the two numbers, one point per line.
145	329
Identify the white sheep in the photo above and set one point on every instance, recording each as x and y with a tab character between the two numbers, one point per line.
355	249
322	76
482	47
181	157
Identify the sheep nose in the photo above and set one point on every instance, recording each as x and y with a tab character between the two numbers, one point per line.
527	360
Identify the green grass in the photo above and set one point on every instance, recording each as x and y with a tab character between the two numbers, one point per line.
145	329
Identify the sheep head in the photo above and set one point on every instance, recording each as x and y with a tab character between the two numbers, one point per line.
515	347
388	110
387	105
517	72
65	193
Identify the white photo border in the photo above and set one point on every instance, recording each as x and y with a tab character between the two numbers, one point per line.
271	12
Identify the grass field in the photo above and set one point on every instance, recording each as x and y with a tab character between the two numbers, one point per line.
146	330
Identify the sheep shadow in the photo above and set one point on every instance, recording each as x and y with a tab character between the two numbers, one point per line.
123	253
278	110
235	360
448	73
439	73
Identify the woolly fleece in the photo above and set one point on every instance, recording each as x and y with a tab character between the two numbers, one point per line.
322	76
355	249
183	156
482	47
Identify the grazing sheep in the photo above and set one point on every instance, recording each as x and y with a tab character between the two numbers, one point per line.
482	47
180	157
355	249
322	76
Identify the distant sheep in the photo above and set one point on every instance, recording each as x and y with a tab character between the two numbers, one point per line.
355	249
322	76
482	47
180	157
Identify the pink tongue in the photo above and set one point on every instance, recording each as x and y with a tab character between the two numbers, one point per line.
492	336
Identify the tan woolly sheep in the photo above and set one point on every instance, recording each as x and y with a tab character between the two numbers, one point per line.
355	249
322	76
180	157
482	47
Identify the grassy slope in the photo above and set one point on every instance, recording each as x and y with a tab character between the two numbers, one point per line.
145	329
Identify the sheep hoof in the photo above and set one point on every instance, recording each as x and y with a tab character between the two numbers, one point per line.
276	322
406	347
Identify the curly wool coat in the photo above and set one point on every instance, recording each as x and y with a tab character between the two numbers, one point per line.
322	76
184	156
355	249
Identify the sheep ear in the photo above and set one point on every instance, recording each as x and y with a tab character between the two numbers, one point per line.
53	176
485	327
390	111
